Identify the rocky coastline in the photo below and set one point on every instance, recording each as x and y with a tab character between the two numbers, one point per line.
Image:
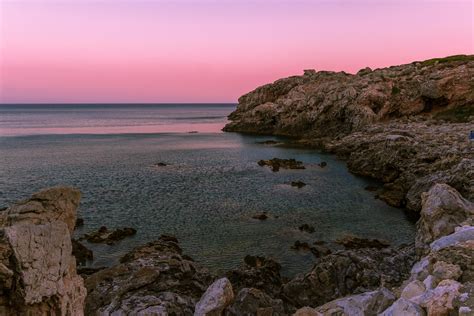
407	126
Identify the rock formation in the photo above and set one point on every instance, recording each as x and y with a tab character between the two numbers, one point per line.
154	279
398	124
38	272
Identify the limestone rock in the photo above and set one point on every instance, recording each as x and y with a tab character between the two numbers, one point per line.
216	298
37	269
404	307
412	289
439	301
443	210
369	303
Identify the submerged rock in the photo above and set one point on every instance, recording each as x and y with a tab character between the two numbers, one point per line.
298	184
104	235
277	163
261	216
37	271
307	228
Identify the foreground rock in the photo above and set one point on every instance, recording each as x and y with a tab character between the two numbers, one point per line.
104	235
277	163
154	279
216	298
257	272
37	271
347	272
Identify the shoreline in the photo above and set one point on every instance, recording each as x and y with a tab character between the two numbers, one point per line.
425	163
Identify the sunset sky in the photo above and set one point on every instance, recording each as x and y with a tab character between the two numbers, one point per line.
209	51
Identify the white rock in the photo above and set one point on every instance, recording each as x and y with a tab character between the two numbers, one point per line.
368	303
217	297
403	307
439	301
462	235
412	289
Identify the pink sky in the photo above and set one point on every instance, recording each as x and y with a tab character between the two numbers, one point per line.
209	50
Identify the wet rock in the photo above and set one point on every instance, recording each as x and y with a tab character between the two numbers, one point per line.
298	184
161	164
257	272
81	253
307	228
298	245
252	301
269	142
371	188
348	272
277	163
104	235
323	164
151	279
216	298
79	222
261	216
353	242
320	250
37	271
443	210
85	272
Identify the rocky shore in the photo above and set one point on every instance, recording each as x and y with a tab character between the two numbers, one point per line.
406	126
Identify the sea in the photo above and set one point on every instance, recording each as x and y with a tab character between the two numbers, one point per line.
206	195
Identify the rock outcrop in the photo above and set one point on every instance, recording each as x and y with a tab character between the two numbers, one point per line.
154	279
37	270
406	125
335	104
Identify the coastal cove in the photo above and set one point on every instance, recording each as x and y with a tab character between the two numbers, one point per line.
206	194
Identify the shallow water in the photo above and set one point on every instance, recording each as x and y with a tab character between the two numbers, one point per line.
207	194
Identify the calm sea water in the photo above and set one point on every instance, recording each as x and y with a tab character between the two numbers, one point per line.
206	195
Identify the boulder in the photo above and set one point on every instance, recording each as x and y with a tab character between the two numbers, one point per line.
369	303
298	184
216	298
404	307
443	210
104	235
307	228
412	289
37	270
439	301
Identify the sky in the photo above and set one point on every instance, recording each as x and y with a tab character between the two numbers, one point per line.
108	51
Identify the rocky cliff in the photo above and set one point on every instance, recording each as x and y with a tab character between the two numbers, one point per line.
37	271
332	104
407	125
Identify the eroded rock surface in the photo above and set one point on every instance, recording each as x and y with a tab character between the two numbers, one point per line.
37	270
154	279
